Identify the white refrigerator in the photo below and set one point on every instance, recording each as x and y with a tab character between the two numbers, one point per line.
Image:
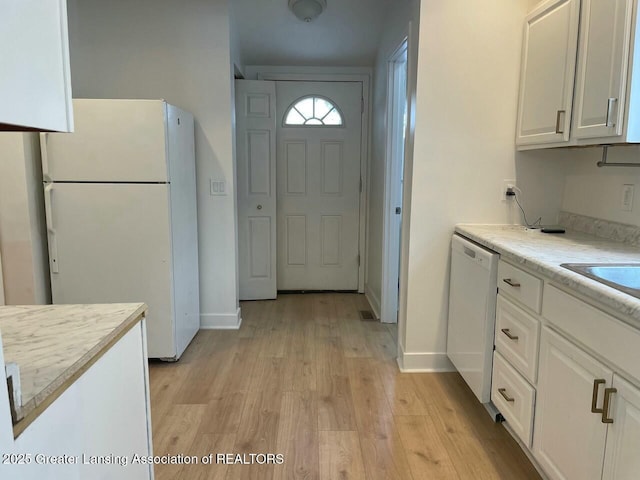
120	198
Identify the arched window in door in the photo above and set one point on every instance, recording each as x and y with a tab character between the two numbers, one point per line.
315	111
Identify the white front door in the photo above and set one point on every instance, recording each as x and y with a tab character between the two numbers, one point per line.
255	153
318	185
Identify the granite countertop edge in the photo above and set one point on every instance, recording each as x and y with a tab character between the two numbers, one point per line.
625	306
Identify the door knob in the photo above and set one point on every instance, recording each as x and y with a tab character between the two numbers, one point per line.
259	207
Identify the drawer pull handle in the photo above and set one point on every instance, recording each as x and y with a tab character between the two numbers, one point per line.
507	332
511	283
503	392
594	398
605	405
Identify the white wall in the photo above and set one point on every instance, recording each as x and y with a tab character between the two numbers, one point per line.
179	51
23	241
597	192
468	71
396	28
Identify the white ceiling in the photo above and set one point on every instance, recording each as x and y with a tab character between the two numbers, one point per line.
346	34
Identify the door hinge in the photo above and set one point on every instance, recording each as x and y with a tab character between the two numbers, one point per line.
360	185
362	104
358	259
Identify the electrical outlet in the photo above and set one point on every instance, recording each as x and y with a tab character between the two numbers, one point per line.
503	190
627	197
217	187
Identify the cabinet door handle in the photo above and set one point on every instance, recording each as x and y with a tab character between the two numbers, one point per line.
558	115
507	332
594	398
610	103
503	392
605	405
511	283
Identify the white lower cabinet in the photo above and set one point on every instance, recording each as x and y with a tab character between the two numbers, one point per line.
569	439
622	456
587	422
96	427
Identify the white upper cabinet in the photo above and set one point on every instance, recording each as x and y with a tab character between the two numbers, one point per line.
601	105
35	83
603	61
547	73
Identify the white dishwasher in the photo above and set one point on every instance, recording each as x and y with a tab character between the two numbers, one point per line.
472	313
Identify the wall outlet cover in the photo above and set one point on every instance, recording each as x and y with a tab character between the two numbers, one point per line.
627	197
503	190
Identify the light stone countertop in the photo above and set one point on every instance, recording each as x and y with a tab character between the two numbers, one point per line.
543	253
54	344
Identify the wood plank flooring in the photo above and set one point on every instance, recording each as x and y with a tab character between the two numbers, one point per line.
306	378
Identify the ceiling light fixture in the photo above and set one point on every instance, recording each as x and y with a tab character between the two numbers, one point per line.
307	10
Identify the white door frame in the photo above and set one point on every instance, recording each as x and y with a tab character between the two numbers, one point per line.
1	283
391	241
311	75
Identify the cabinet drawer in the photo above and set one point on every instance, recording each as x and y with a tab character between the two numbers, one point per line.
514	397
520	285
517	337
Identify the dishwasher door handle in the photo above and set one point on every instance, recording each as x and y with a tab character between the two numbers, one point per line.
469	252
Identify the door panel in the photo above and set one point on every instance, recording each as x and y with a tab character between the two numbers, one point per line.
318	187
547	73
622	461
296	240
332	160
601	76
111	243
296	168
260	247
568	439
255	152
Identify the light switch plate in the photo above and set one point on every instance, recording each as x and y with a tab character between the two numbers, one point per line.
217	187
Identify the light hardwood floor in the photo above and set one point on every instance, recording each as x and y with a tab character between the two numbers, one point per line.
306	378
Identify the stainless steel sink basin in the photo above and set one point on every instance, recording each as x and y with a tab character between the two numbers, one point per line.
621	276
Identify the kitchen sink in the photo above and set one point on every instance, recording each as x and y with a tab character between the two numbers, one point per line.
621	276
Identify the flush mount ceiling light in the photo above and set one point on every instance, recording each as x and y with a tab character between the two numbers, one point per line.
307	10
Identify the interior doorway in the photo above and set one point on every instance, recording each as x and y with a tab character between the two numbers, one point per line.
318	214
394	175
319	128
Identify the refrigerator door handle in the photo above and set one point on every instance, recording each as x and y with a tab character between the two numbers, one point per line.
44	157
48	190
53	244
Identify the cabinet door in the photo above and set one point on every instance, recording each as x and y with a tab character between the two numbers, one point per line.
602	68
622	461
569	439
547	73
35	83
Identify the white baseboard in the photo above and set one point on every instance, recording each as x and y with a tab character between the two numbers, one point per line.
221	321
410	362
373	300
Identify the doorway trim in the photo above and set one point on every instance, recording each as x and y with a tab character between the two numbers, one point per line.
1	283
345	74
391	241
